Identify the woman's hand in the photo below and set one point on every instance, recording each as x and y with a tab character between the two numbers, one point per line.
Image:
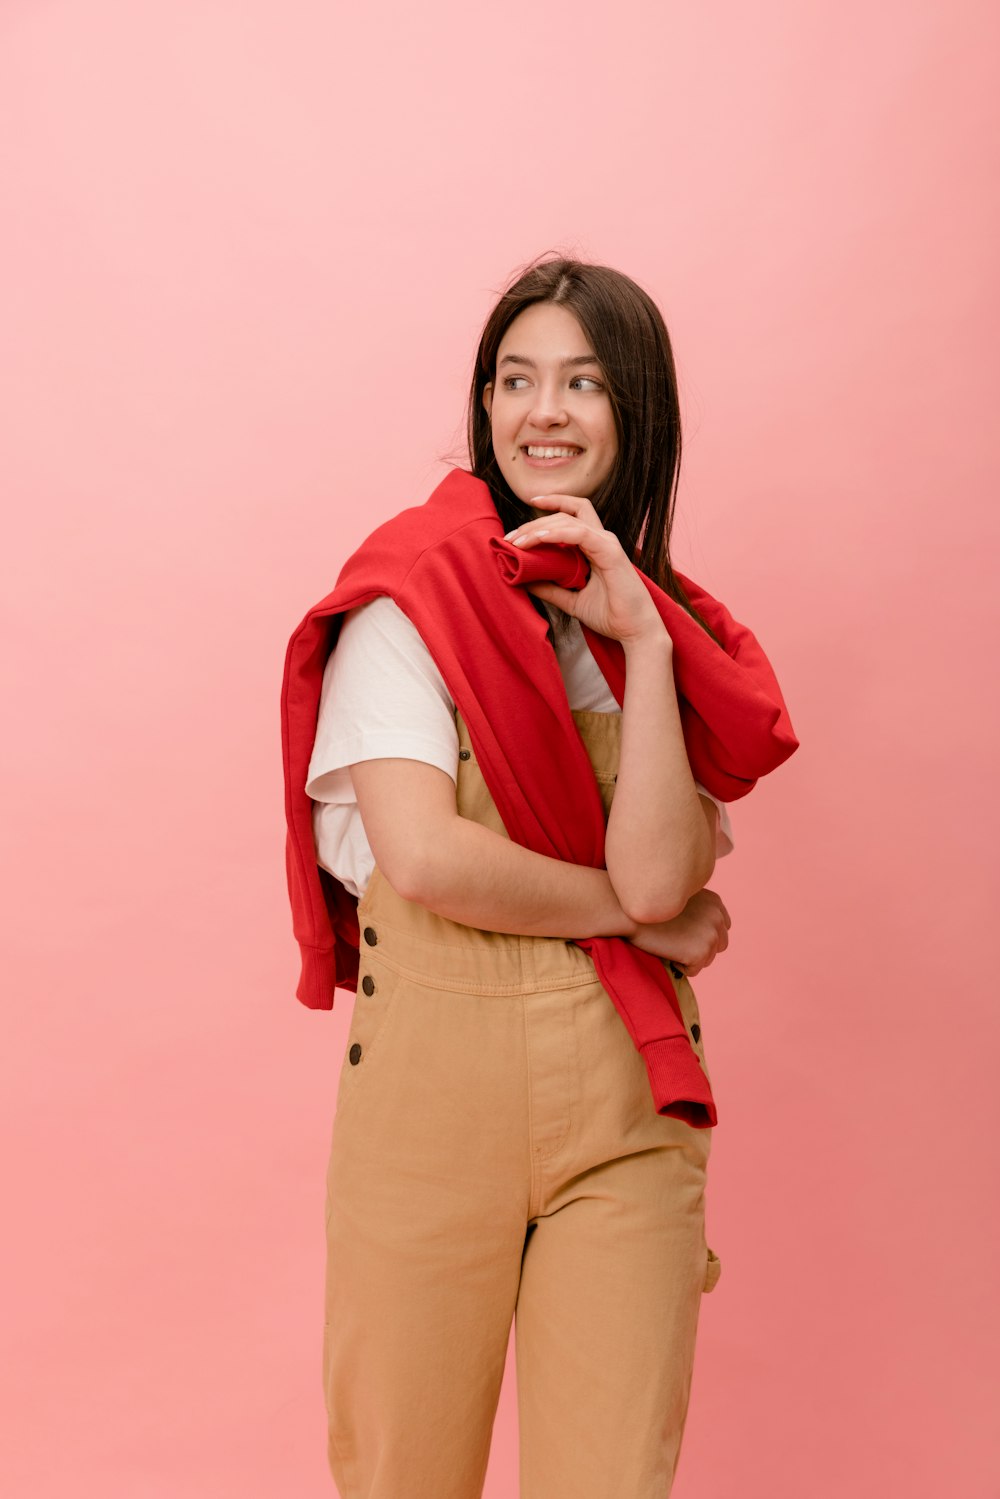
694	938
614	601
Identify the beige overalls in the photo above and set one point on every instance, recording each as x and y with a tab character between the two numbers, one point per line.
496	1154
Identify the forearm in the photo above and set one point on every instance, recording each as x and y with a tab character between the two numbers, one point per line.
658	848
475	875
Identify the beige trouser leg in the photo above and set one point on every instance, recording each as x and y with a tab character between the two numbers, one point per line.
427	1204
613	1275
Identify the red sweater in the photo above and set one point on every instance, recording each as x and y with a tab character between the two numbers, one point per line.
447	567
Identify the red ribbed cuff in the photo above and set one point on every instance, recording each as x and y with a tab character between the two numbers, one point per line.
680	1087
318	977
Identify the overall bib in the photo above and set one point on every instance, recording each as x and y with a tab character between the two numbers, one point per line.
496	1155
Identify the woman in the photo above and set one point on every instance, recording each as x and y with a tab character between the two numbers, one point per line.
497	1157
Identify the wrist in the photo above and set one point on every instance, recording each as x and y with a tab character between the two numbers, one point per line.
651	638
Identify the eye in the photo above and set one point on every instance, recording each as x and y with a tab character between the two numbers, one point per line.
509	380
587	377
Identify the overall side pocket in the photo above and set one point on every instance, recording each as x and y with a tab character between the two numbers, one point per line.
375	1005
713	1269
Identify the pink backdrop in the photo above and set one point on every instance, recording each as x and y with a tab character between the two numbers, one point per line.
247	251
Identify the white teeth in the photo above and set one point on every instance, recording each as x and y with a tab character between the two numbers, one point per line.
552	452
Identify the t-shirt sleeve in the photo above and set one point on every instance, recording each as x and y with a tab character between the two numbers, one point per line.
382	695
724	841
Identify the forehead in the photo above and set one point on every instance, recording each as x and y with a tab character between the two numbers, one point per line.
545	328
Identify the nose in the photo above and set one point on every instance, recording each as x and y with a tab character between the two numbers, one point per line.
548	409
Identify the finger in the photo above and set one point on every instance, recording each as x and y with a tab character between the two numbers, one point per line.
563	530
575	504
555	521
553	594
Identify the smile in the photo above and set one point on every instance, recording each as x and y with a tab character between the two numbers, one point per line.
539	454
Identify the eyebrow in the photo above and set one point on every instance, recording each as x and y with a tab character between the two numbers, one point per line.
521	359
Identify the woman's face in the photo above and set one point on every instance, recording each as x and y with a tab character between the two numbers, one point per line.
549	394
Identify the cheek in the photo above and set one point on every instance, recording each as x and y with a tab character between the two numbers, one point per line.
609	437
500	423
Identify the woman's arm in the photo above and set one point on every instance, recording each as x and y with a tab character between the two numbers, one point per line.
466	872
660	845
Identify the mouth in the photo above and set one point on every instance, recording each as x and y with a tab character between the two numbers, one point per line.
550	455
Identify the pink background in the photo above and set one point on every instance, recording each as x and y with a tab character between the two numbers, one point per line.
247	252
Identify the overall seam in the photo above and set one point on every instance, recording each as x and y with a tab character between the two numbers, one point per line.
543	1155
483	990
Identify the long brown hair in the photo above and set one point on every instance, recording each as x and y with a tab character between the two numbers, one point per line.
627	333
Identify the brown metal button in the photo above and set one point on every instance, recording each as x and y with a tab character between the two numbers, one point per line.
370	936
355	1054
465	754
368	984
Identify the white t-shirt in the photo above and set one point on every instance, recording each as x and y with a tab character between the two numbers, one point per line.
383	696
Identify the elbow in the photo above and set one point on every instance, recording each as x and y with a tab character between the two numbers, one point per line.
650	912
416	871
645	903
649	905
408	875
